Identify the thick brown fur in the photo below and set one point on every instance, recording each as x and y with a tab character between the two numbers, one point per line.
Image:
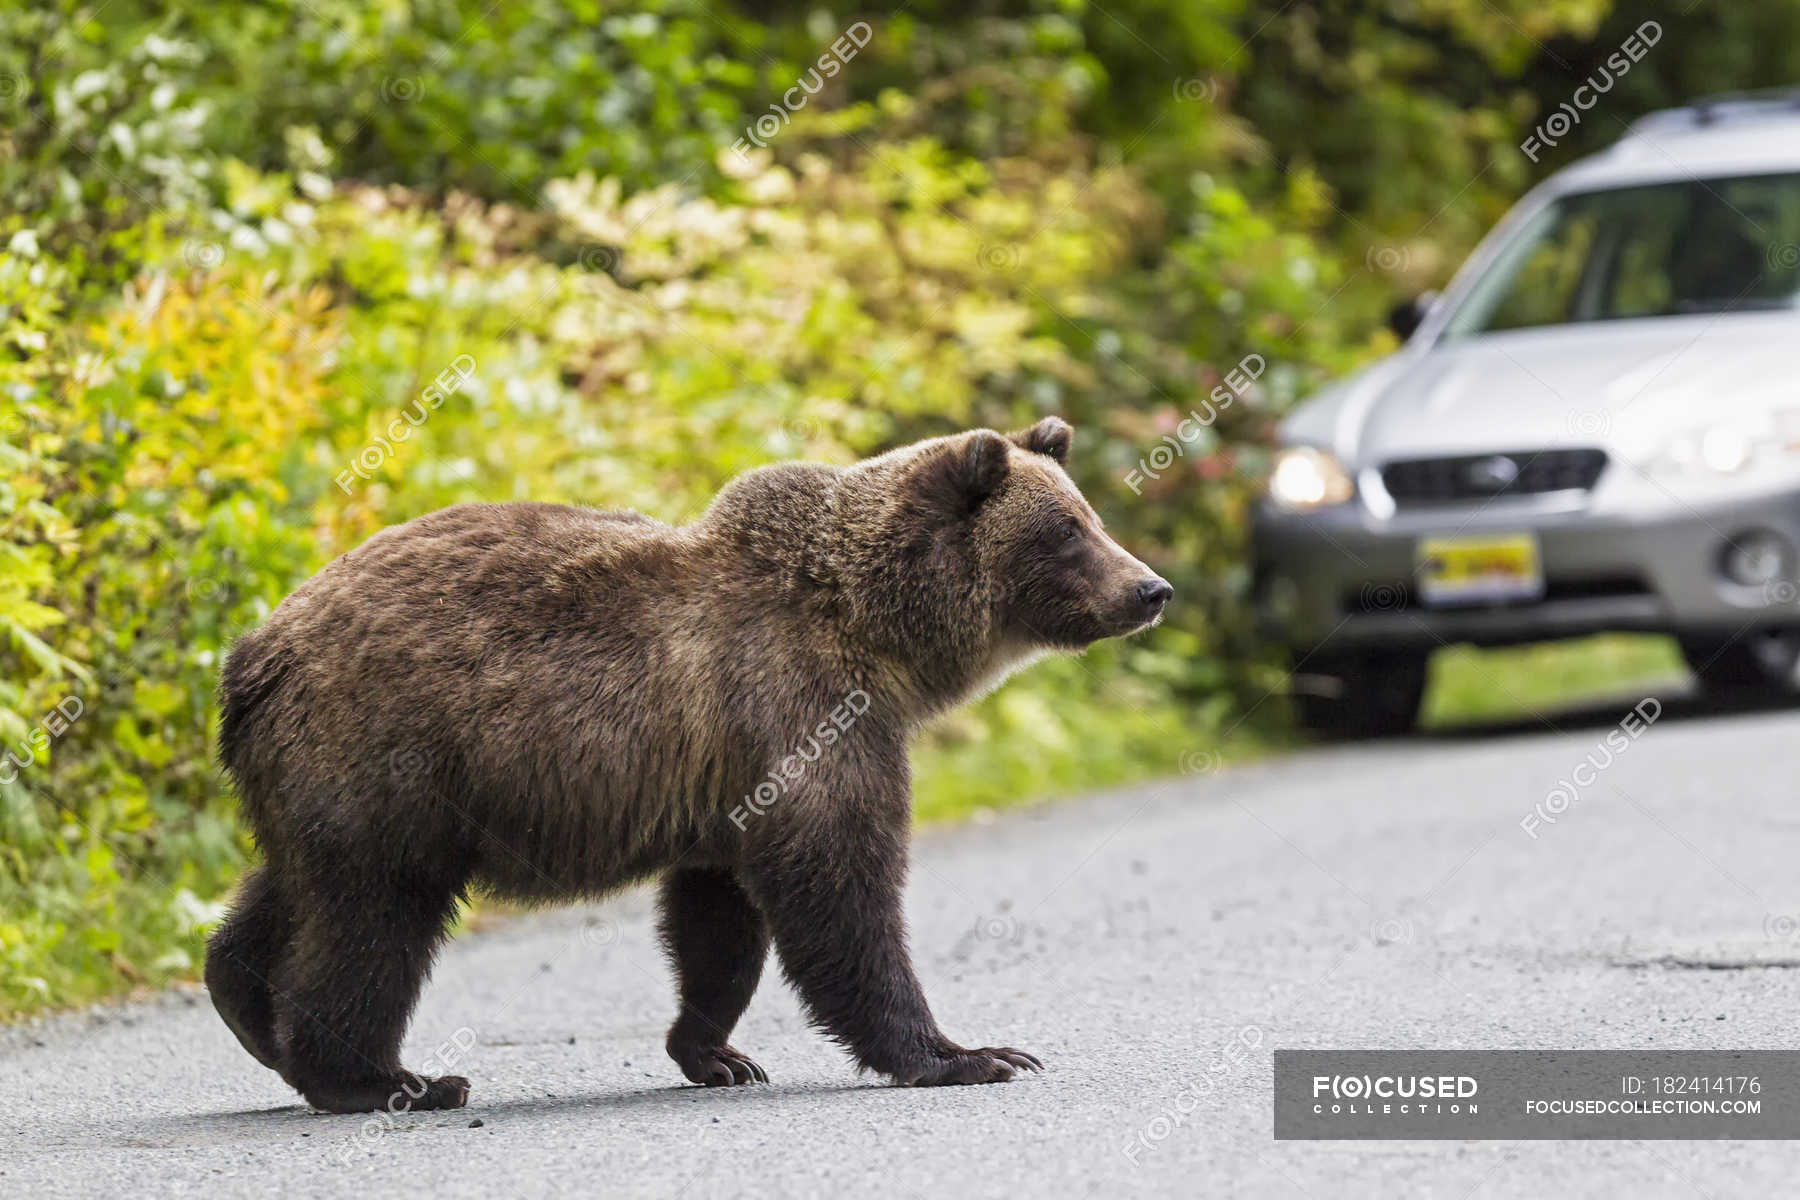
548	703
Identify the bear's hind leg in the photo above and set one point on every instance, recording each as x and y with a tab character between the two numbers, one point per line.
717	941
347	990
243	956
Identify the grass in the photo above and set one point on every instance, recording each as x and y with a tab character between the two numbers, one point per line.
955	779
1080	745
1472	686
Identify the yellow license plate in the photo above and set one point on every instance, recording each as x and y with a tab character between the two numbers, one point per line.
1492	569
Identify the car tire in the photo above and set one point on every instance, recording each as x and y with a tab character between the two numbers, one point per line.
1755	665
1366	695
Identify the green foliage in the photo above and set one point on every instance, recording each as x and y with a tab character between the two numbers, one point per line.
278	273
239	415
113	110
1471	685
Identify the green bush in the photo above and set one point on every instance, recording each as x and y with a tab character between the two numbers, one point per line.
190	451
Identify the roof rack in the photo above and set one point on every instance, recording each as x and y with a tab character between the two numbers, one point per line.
1716	110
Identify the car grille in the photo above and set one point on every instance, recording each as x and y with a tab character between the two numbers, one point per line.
1483	476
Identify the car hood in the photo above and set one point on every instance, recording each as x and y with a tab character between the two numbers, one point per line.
1623	386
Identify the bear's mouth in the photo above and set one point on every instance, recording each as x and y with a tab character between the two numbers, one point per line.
1141	625
1126	624
1078	630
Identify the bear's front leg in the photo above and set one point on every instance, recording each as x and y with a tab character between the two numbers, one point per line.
827	865
716	941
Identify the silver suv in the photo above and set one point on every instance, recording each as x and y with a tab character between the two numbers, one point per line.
1596	427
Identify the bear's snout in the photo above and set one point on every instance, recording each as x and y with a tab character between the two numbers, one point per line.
1152	594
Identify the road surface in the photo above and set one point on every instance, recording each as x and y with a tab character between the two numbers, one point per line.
1152	946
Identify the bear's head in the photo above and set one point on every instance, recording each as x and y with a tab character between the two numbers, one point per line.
1057	578
970	553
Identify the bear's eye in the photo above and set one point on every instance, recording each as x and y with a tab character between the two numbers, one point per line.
1069	530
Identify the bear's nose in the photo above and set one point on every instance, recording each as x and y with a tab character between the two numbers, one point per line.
1154	593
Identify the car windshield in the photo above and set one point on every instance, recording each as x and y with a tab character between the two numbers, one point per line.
1697	246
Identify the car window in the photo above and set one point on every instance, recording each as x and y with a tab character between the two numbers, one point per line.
1659	250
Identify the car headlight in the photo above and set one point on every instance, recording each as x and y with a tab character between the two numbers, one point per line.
1306	477
1729	448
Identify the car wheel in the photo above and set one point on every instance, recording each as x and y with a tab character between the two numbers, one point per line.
1374	694
1756	664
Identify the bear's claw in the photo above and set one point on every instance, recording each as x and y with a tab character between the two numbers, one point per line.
721	1066
990	1064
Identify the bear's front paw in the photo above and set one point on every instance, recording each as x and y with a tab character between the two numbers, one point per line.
991	1064
717	1066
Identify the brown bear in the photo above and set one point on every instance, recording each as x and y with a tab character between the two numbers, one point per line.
542	702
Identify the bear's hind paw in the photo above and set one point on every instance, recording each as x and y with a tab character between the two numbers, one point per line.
408	1093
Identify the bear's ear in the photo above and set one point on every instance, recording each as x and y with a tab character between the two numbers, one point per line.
1049	436
967	470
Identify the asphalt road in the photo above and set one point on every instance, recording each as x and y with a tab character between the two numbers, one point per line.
1152	946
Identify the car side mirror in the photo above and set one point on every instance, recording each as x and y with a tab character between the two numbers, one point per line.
1406	317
